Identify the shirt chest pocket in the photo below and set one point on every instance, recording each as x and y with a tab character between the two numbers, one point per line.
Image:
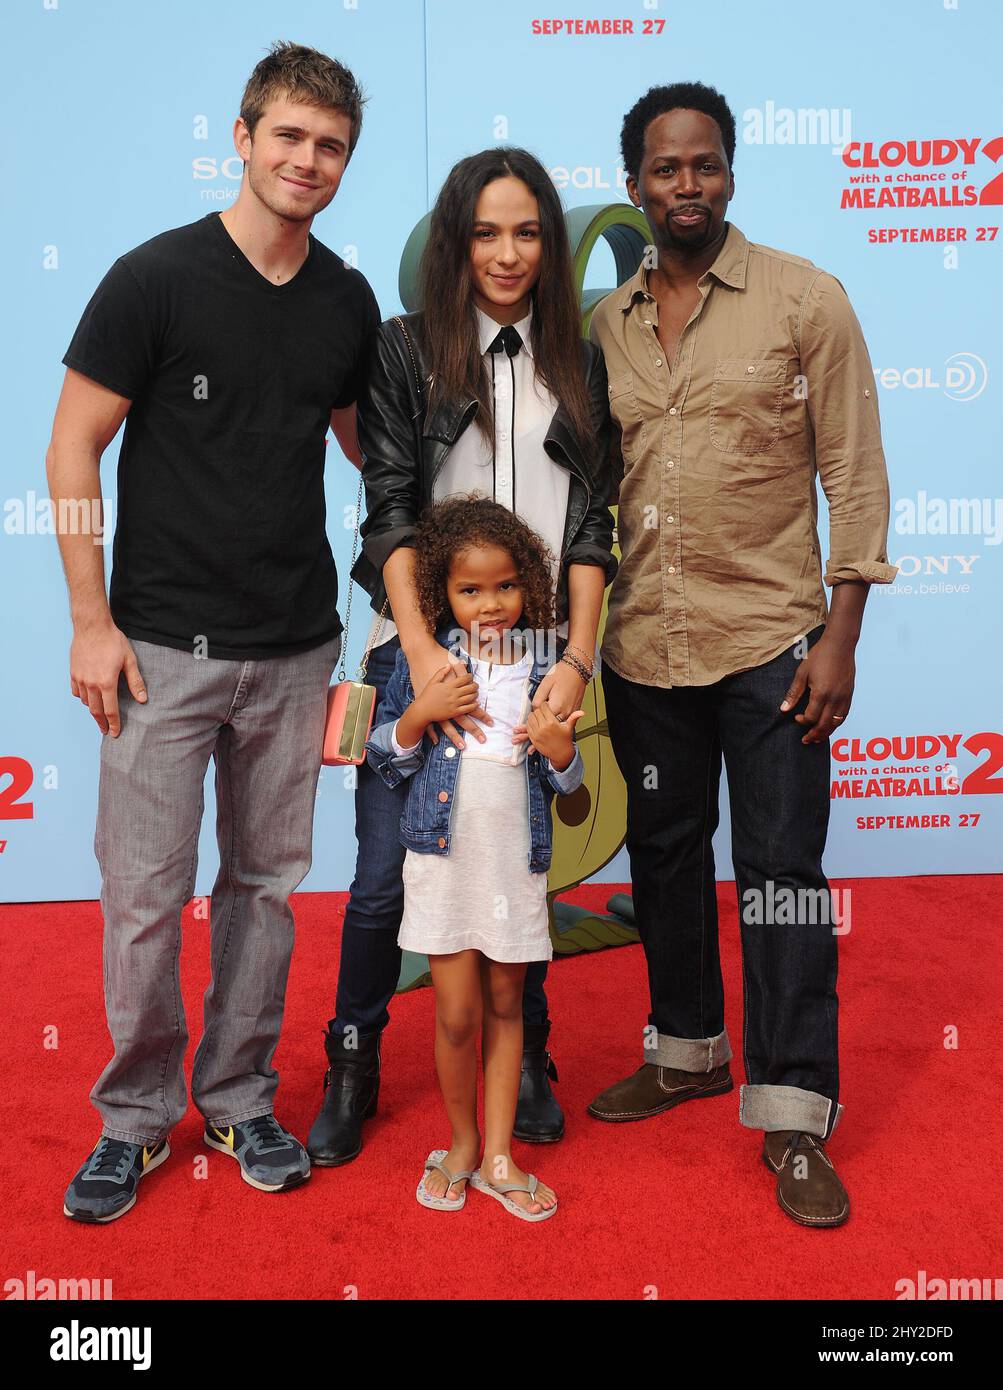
627	413
746	400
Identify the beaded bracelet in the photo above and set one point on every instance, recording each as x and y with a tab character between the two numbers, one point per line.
584	671
585	656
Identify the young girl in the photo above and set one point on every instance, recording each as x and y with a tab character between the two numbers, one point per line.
477	825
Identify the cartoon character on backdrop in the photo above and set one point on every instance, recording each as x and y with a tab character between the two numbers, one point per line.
590	824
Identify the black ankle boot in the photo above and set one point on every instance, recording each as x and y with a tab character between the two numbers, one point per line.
351	1086
538	1117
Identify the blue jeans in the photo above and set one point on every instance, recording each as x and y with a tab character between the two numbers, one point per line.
370	957
669	745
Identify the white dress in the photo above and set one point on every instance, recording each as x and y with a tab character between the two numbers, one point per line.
481	895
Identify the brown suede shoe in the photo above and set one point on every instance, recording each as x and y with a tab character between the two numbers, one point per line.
654	1089
807	1187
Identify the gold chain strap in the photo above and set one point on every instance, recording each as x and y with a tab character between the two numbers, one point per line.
410	352
348	602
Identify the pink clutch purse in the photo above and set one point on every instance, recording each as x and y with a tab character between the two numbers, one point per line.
350	709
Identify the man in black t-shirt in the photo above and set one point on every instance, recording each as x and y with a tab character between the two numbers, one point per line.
227	347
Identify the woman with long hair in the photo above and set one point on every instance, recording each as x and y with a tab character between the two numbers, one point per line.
489	389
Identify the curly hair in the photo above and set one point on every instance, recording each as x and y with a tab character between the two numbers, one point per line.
691	96
447	528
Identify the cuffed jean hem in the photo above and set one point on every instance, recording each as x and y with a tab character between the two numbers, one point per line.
788	1107
129	1137
241	1118
689	1054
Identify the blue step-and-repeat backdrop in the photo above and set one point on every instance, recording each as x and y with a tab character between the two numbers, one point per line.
870	140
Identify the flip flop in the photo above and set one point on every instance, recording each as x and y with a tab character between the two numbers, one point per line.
426	1198
498	1193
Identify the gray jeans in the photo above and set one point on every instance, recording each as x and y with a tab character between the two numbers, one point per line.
262	722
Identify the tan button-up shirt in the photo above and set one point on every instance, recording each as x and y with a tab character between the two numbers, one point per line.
771	385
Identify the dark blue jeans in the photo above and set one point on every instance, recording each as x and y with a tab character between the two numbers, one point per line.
370	957
669	745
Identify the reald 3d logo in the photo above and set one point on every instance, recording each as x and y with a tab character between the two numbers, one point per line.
964	377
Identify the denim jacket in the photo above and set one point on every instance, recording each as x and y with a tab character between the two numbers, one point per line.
424	826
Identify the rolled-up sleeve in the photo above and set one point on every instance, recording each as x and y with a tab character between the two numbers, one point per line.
402	750
585	553
391	767
843	409
568	779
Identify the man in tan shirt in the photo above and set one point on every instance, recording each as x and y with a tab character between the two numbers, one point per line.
736	375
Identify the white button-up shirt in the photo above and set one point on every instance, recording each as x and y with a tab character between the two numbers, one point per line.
525	478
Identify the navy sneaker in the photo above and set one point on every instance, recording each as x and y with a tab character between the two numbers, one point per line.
105	1187
270	1158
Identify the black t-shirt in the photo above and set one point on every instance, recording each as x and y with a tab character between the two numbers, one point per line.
220	529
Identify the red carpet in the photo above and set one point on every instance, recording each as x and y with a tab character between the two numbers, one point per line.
681	1204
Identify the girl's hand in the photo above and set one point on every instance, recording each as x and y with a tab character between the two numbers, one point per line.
426	662
553	737
562	688
451	693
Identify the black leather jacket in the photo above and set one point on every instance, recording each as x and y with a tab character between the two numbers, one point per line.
404	448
